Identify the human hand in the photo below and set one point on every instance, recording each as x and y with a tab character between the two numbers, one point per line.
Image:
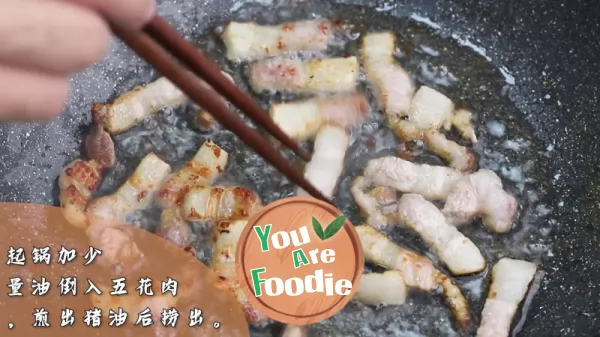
45	41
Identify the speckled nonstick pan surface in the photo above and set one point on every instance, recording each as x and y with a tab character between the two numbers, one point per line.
531	65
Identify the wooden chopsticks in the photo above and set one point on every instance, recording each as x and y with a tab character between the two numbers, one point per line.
149	44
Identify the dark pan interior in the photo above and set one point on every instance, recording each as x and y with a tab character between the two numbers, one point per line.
551	49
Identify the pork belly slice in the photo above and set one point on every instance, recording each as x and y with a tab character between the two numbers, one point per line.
429	112
327	162
79	179
377	205
328	75
206	165
456	155
417	270
220	203
100	146
77	182
175	229
432	110
383	209
136	193
295	331
225	237
462	121
301	120
248	40
419	117
481	195
132	107
455	250
143	101
387	288
391	84
510	281
431	181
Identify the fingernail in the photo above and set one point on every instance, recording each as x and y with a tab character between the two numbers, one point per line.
150	11
140	13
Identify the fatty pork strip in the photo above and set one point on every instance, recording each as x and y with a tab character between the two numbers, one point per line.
248	40
458	156
392	85
387	288
431	181
225	238
417	271
77	182
430	111
510	281
301	120
175	229
457	251
100	146
134	106
327	162
481	195
220	203
328	75
376	205
80	178
427	111
136	193
206	165
462	121
295	331
454	249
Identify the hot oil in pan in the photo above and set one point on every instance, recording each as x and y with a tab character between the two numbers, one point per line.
506	144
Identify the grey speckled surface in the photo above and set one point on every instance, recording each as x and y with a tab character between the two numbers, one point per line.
550	47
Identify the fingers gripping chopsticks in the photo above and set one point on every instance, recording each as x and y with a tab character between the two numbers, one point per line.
161	46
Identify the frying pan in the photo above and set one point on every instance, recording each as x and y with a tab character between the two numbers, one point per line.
531	64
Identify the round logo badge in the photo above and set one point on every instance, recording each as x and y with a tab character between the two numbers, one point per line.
299	260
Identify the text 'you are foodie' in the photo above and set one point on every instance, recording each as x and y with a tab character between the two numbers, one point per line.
299	260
